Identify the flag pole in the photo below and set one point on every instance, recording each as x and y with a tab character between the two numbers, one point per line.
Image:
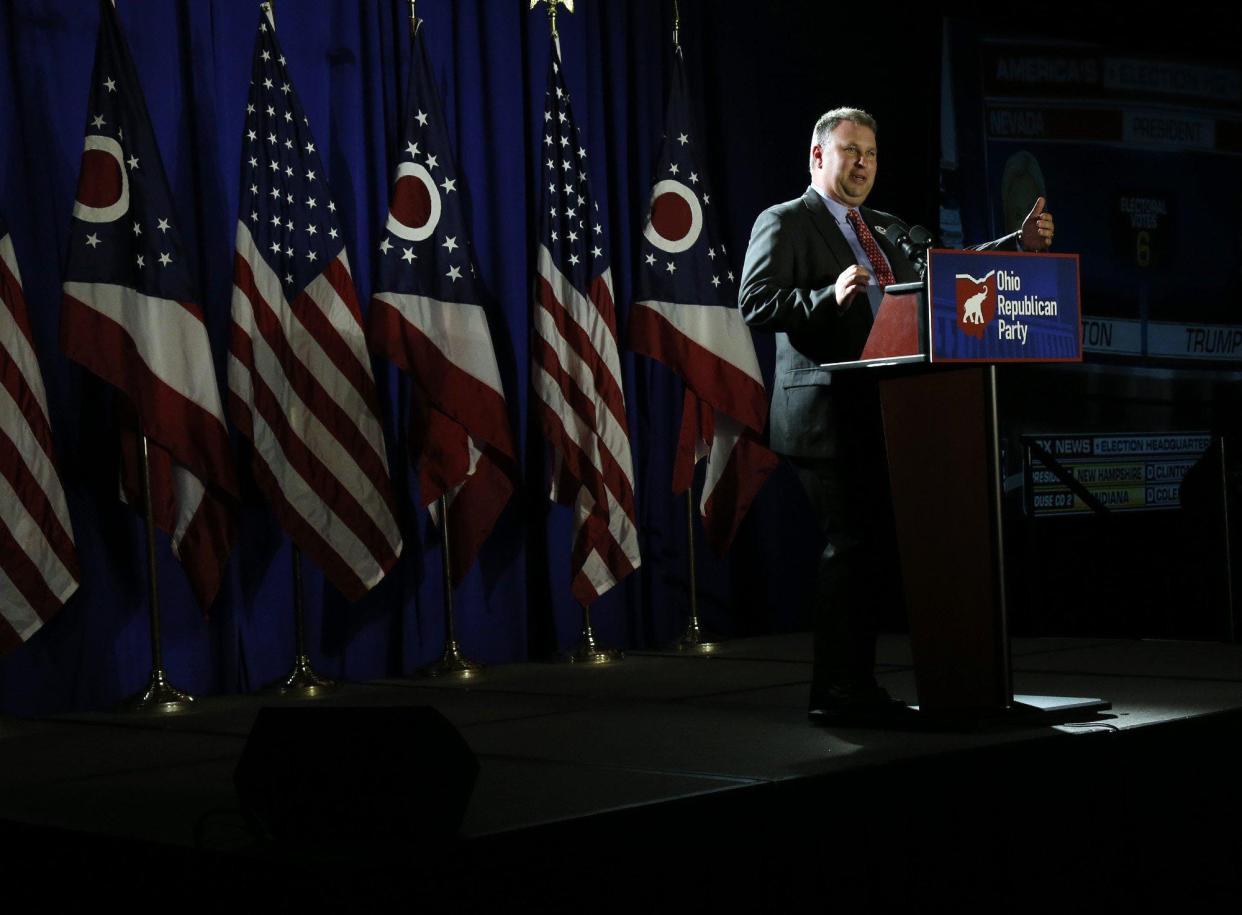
588	650
303	681
1231	621
160	695
694	640
453	663
553	5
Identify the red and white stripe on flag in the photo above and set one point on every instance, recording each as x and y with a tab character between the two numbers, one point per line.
459	425
156	352
576	373
725	405
38	559
301	389
737	466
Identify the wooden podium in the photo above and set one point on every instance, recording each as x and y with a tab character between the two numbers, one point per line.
942	434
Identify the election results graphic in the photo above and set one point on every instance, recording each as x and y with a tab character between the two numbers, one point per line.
991	306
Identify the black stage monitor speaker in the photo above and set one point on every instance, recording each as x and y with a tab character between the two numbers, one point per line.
326	774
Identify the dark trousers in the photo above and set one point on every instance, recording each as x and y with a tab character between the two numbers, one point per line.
857	577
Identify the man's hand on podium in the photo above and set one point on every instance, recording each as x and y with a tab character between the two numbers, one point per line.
1037	228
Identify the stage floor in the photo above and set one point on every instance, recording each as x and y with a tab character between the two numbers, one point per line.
684	749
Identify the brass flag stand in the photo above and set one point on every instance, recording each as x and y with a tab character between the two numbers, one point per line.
160	696
694	640
302	682
589	651
453	663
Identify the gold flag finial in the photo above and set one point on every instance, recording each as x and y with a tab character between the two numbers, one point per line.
676	25
552	6
414	22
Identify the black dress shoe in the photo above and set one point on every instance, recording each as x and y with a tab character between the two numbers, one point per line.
869	706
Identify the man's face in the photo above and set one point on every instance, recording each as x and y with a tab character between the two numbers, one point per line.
845	165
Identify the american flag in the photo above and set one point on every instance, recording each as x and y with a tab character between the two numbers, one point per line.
427	318
575	366
130	316
300	382
38	560
686	316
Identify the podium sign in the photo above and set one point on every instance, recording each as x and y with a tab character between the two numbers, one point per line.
995	306
976	307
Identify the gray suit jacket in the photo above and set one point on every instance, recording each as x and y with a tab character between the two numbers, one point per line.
795	255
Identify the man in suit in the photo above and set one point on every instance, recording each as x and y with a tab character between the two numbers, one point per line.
814	274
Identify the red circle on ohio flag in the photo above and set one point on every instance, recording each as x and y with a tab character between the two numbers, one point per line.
415	210
99	182
103	185
676	218
671	216
411	202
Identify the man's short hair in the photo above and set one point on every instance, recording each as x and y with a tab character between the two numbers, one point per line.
828	122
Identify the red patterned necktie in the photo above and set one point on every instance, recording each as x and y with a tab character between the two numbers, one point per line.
879	266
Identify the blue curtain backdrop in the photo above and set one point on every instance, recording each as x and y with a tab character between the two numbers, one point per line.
760	77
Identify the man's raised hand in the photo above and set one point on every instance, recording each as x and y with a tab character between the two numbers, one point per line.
1037	228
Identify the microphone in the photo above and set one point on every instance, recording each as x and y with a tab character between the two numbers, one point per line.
921	237
913	244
